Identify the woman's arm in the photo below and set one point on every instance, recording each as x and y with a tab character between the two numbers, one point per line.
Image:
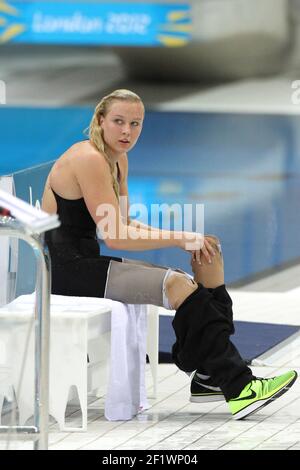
94	177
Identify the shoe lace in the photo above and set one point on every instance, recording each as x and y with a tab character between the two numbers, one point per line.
261	379
265	381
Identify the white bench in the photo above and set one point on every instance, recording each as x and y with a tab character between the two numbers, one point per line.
78	332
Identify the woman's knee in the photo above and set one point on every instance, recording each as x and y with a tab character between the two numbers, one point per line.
178	287
211	275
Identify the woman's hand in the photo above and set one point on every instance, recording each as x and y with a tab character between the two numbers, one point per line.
196	243
207	251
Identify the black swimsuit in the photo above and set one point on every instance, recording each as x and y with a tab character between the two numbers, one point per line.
77	267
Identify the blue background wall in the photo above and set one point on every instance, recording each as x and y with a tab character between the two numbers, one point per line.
243	168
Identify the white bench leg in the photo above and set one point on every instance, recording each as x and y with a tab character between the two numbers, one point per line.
58	410
2	397
153	343
7	395
68	367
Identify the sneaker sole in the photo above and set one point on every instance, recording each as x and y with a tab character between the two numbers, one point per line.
207	398
251	409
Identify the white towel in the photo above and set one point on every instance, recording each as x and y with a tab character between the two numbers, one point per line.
126	392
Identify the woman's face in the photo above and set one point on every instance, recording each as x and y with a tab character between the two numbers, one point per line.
122	125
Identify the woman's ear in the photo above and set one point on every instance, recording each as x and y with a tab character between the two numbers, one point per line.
100	120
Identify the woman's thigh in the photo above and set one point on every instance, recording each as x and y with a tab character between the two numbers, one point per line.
125	280
136	282
83	277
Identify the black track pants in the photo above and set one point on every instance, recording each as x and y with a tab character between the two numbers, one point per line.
203	325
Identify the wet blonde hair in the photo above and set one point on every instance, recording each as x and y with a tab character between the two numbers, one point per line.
95	130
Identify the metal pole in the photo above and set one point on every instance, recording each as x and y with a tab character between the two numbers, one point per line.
12	228
42	328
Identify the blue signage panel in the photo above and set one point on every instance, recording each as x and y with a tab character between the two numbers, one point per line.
95	23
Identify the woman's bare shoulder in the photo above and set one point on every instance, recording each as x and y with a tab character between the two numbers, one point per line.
87	159
81	149
78	158
80	152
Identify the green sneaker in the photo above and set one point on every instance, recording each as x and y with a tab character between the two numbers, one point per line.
259	393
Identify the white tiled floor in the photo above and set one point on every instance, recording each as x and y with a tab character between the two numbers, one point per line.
174	423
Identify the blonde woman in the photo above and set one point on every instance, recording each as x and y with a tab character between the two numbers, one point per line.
85	187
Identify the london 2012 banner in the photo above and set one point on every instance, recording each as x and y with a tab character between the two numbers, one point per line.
95	23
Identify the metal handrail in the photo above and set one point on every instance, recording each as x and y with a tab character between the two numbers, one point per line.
13	228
